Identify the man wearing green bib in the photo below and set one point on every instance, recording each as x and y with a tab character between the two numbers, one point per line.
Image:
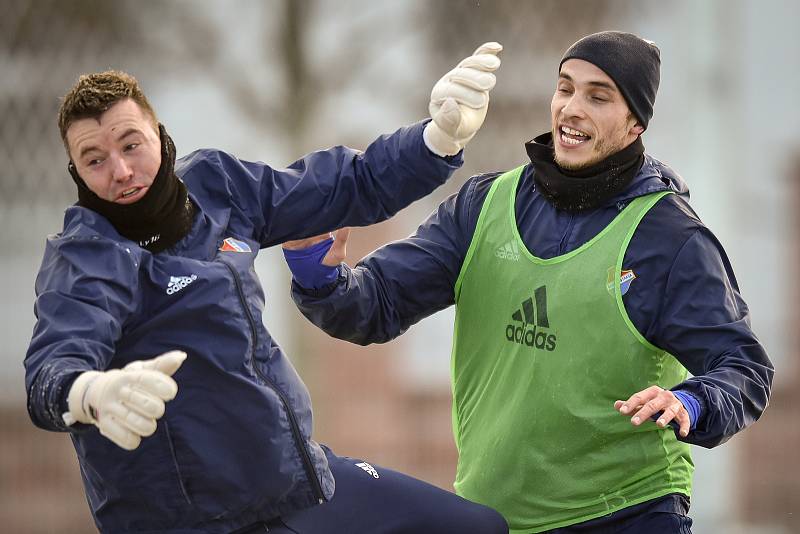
585	288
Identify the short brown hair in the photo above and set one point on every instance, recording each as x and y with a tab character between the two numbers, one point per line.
93	94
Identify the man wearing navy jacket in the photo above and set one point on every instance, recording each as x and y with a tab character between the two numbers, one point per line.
585	287
214	435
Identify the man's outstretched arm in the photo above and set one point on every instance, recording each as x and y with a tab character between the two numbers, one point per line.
704	322
393	287
338	187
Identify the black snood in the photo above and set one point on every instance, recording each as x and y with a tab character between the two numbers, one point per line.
161	218
587	188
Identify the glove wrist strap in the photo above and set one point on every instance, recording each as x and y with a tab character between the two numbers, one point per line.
79	410
439	142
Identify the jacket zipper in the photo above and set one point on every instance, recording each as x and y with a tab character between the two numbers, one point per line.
298	438
562	245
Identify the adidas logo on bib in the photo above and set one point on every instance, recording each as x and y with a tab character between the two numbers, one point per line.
176	283
531	326
509	251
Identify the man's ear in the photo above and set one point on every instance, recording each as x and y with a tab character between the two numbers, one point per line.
637	129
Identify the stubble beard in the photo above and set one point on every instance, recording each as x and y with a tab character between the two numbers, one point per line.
600	151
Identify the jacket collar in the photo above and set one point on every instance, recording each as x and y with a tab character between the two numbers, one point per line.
653	177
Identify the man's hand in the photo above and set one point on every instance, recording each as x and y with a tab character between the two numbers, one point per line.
314	261
459	101
335	255
125	403
651	401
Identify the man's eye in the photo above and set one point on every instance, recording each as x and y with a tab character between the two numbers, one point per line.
599	99
94	162
131	146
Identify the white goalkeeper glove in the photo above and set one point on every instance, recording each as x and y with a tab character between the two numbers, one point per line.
125	403
459	101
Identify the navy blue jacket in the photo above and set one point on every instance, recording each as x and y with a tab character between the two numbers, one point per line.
684	299
234	447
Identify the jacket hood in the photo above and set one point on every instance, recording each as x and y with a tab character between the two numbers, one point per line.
654	176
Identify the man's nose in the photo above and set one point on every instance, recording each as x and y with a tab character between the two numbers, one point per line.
572	107
120	169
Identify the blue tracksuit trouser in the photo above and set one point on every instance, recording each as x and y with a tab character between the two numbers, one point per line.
371	499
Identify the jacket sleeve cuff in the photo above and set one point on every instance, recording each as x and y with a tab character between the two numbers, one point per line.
47	402
321	292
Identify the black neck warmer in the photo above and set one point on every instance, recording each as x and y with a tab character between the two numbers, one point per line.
161	218
587	188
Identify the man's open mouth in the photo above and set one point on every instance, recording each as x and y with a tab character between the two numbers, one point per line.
572	136
130	192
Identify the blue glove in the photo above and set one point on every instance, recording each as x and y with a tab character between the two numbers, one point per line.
691	404
307	268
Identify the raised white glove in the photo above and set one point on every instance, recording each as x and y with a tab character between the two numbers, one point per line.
459	101
125	403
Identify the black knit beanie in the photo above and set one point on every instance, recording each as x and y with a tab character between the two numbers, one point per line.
629	60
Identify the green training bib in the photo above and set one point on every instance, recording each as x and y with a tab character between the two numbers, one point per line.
541	350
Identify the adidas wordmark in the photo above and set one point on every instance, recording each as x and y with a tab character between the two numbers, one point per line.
176	283
509	251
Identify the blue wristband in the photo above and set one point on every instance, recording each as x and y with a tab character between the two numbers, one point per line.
691	404
307	268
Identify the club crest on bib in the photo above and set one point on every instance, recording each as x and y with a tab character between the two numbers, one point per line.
625	278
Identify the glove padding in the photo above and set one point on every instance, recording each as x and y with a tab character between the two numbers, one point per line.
459	101
125	403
